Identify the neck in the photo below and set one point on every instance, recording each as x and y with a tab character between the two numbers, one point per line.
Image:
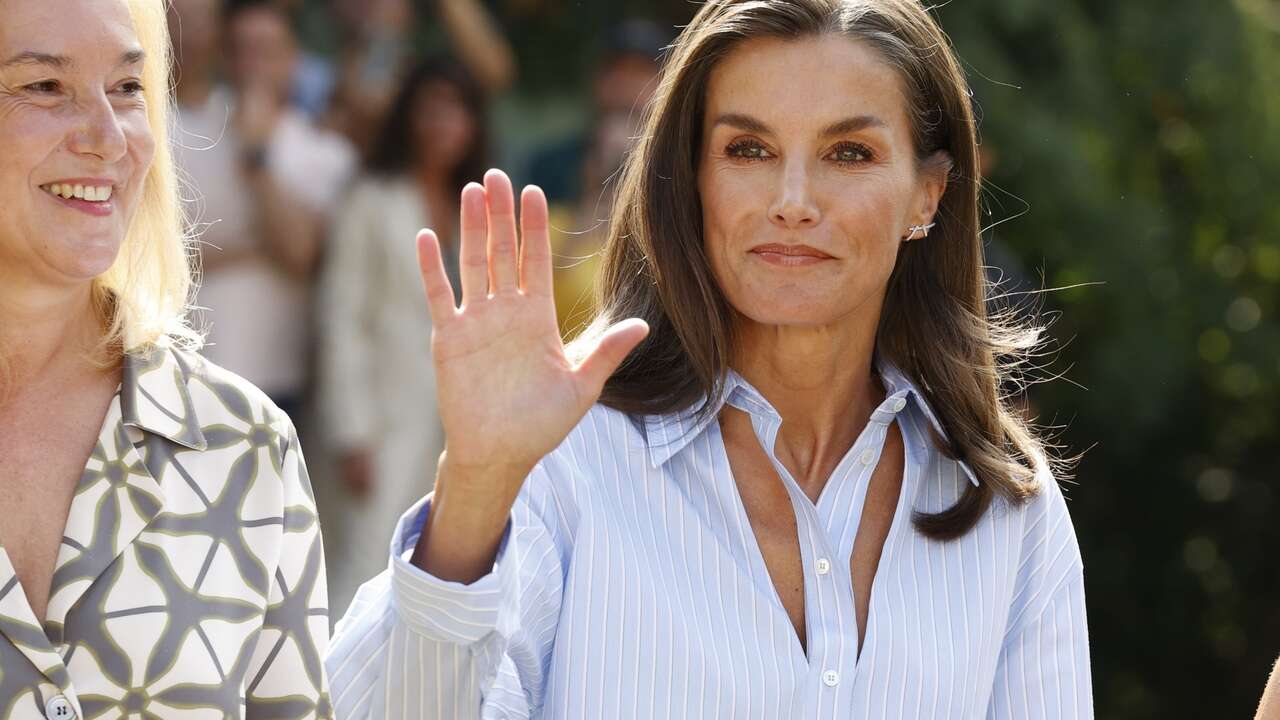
46	331
433	179
820	381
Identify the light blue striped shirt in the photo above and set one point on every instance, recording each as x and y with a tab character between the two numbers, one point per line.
629	585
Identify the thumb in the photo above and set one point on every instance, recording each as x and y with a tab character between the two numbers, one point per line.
614	345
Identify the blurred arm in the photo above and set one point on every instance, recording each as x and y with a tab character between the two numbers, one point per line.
479	43
290	231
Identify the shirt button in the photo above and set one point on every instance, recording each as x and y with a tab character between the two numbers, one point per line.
831	678
868	456
59	708
824	566
898	404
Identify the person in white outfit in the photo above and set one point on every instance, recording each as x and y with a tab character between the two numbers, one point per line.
377	406
262	183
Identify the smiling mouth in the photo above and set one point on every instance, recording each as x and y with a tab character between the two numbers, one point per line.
87	193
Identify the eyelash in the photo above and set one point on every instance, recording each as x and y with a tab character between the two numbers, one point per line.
45	84
738	148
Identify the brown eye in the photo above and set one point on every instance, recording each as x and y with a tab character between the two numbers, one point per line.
849	153
747	150
133	88
44	87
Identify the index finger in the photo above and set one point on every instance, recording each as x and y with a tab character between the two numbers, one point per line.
434	279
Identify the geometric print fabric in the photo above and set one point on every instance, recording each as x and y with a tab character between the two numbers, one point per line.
190	580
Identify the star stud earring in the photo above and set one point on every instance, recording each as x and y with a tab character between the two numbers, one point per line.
922	229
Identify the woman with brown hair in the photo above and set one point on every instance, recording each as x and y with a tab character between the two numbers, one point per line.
789	489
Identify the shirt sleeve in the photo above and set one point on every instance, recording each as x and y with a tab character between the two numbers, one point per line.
286	678
414	646
1043	669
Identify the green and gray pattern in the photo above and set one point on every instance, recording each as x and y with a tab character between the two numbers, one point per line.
190	582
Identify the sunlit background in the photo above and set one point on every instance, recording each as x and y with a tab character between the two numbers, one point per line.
1132	154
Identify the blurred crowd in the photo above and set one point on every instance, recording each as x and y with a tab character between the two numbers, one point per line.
307	175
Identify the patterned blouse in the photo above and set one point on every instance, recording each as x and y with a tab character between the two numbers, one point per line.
190	581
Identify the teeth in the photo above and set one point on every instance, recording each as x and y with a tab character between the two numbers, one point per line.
90	193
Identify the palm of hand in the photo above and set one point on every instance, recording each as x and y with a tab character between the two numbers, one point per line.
507	392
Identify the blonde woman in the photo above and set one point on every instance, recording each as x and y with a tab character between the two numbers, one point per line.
791	488
159	551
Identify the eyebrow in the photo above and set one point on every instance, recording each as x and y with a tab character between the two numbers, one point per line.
840	127
62	62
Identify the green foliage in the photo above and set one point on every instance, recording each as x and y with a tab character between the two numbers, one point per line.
1144	140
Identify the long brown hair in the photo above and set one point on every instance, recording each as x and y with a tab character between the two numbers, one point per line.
935	325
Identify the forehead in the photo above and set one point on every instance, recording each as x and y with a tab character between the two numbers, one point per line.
65	27
806	82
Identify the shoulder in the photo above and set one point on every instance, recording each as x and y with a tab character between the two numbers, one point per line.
604	444
1049	558
604	437
213	428
1045	516
221	397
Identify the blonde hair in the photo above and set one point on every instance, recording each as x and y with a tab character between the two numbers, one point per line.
143	297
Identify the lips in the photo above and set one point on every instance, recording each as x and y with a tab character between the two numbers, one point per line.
791	251
89	198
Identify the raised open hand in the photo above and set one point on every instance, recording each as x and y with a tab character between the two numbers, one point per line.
508	395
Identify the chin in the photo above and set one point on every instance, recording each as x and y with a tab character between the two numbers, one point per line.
87	258
792	312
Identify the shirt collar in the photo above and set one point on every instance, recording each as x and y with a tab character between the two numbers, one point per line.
668	434
154	396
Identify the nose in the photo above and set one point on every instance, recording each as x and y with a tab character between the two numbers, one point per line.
98	132
795	207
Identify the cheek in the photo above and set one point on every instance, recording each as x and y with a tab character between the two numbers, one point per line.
733	214
142	151
29	137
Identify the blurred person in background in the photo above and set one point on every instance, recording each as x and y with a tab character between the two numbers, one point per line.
160	553
264	182
378	406
376	48
576	174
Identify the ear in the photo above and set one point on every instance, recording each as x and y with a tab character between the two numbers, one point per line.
934	172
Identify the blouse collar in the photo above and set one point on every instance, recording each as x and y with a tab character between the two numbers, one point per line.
669	433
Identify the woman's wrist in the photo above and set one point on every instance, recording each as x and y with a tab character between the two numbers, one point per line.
468	515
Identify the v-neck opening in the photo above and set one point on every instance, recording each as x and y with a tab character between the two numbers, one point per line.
756	558
905	501
842	559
